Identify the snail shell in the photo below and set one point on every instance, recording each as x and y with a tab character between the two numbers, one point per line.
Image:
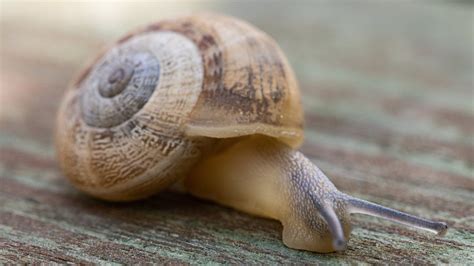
138	116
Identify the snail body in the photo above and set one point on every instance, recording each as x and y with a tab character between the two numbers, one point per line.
210	100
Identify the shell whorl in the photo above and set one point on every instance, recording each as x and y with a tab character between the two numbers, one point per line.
122	82
120	86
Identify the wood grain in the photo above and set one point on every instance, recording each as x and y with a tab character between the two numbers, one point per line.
388	97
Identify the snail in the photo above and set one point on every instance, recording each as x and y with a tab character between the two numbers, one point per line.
212	102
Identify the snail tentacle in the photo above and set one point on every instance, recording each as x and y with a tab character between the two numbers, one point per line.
369	208
329	215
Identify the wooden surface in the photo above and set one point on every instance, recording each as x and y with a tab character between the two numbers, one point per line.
388	94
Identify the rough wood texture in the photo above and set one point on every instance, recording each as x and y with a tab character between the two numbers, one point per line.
388	94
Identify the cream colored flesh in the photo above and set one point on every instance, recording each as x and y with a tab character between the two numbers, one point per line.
240	179
264	177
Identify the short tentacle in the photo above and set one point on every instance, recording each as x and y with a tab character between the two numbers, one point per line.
329	215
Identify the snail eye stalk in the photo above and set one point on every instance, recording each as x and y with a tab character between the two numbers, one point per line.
372	209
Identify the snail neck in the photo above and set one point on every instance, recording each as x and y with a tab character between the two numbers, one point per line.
264	177
234	174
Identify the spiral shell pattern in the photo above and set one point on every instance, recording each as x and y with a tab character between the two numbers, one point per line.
124	120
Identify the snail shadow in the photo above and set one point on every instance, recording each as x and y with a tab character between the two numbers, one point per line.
161	205
174	213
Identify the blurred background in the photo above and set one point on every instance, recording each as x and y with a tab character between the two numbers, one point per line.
405	67
387	89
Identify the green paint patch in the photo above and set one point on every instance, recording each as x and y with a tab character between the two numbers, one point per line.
363	112
44	180
418	158
26	145
386	85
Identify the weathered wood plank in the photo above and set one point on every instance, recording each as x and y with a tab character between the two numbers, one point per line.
388	95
